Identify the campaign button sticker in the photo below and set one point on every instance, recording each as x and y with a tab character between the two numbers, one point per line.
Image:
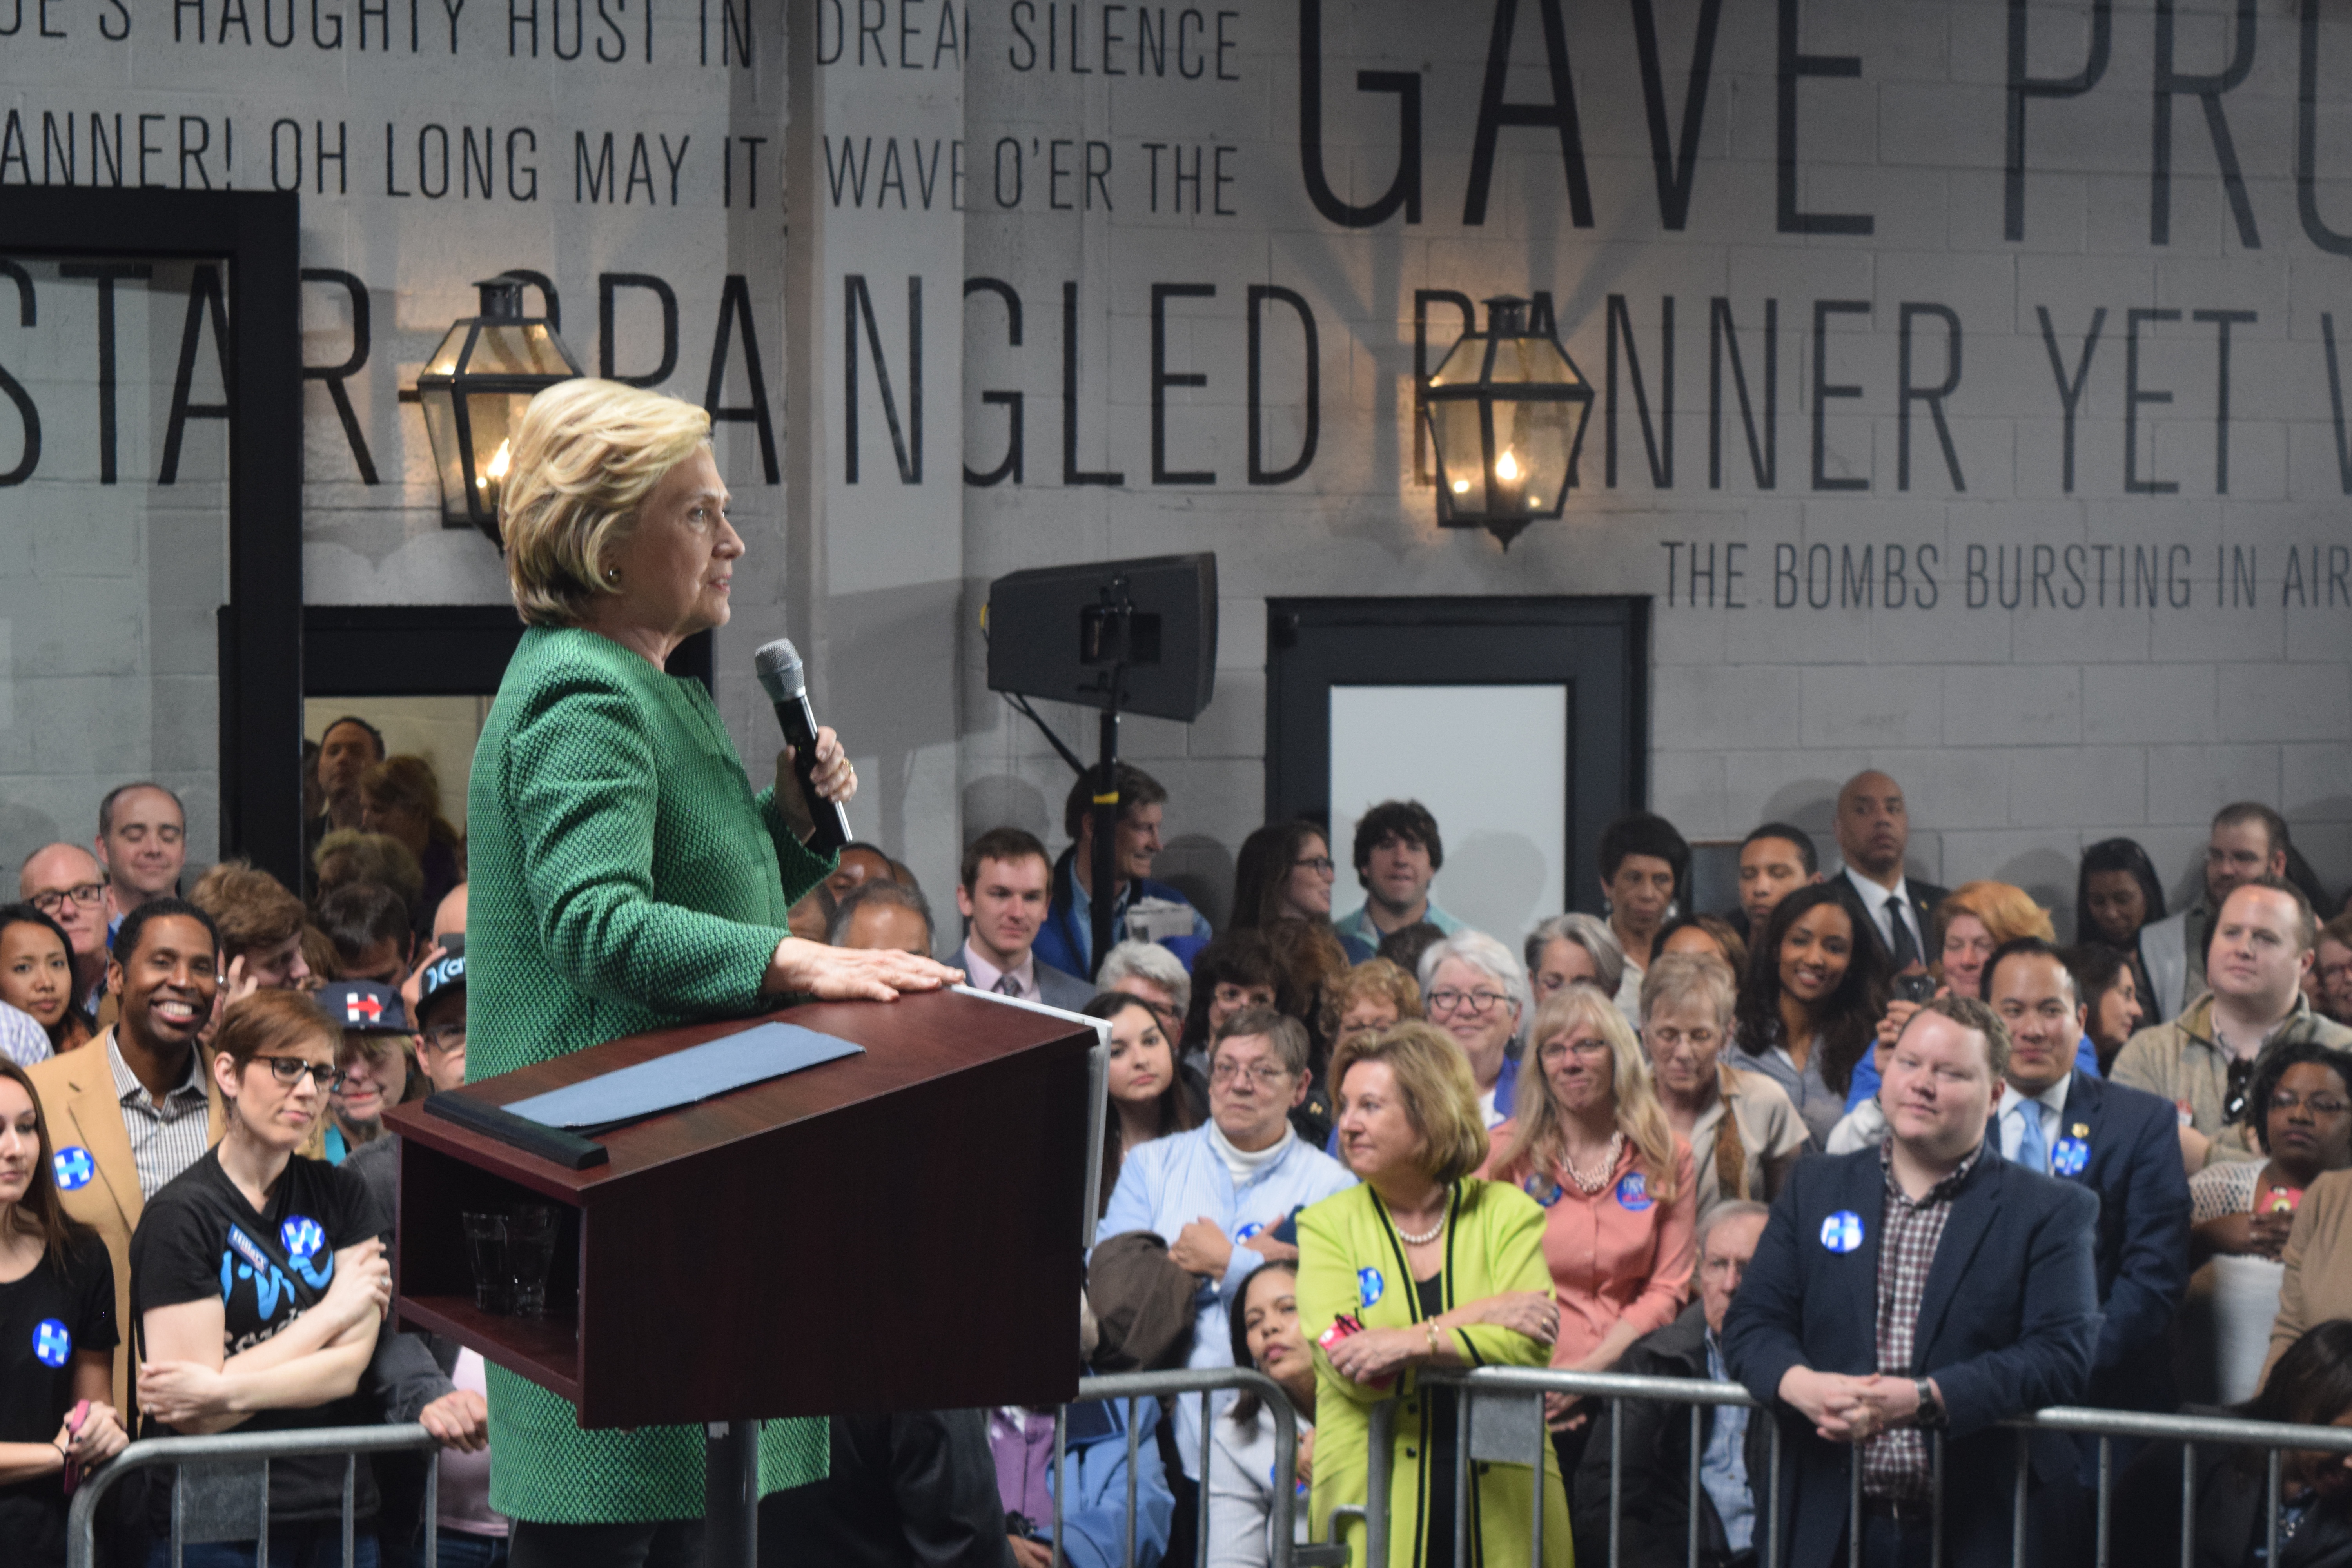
52	1343
301	1236
1544	1189
2070	1156
1369	1286
74	1168
1841	1232
1253	1228
1633	1193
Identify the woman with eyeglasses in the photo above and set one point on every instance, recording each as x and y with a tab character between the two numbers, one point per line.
1285	871
2299	1109
1743	1135
1218	1193
1567	949
257	1282
36	977
1592	1144
1475	991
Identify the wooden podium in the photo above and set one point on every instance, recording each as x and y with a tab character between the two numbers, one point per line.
900	1229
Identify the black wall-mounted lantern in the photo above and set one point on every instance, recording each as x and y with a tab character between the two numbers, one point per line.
473	390
1507	412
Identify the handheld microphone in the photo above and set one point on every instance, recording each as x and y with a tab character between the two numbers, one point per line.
778	664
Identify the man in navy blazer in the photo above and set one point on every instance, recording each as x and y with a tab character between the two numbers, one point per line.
1925	1285
2113	1140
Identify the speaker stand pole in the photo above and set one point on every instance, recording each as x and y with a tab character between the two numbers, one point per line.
1106	809
730	1496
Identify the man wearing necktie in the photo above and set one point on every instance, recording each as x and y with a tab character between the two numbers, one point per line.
2114	1139
1002	892
1873	831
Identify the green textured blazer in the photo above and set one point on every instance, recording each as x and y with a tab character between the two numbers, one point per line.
624	878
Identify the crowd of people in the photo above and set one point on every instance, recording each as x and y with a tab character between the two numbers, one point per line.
1887	1154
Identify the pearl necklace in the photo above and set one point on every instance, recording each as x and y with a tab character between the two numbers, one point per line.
1444	1202
1608	1166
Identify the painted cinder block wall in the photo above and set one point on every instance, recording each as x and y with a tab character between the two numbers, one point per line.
2061	597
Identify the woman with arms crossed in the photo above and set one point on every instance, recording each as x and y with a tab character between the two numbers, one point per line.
257	1282
626	878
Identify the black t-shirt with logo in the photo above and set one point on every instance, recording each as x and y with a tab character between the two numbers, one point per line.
48	1318
199	1237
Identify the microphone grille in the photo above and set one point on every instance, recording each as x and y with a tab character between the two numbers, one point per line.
779	666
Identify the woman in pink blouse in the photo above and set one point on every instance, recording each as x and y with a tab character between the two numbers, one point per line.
1590	1143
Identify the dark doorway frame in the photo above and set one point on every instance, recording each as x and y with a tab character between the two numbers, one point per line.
1550	640
258	235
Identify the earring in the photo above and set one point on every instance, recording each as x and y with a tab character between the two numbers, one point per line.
612	573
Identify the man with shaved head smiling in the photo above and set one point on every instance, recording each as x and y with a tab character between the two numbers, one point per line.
1874	830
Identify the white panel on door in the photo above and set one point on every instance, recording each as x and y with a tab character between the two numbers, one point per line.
1491	765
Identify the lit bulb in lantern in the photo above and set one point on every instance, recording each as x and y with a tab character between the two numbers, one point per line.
1506	467
1462	487
498	469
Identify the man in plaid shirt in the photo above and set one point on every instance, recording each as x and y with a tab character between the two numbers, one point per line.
1923	1286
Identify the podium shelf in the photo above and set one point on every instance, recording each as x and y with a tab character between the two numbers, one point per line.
544	1350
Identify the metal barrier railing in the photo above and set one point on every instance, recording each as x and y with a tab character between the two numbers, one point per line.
256	1448
2107	1426
1483	1386
1284	1552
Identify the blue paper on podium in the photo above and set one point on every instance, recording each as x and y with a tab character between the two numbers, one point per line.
626	1094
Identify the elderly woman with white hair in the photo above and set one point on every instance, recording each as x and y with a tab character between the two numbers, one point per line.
1744	1133
626	878
1474	989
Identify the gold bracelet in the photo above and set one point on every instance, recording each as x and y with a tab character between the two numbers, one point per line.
1436	1348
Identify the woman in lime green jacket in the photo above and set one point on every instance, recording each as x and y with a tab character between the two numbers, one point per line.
625	878
1436	1268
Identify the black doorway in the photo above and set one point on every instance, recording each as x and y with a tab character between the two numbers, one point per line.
251	241
1596	648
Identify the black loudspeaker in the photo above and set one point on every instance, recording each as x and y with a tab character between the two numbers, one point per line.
1069	632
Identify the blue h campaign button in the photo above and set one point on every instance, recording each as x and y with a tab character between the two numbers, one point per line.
1369	1286
1841	1232
74	1168
301	1236
52	1343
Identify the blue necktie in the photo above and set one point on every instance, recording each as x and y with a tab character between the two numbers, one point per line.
2033	1149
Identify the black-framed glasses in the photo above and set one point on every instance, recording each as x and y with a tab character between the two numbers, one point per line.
84	893
1322	865
1477	1004
2318	1104
288	1071
452	1037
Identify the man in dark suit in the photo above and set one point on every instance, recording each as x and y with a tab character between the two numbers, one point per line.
1927	1284
1873	831
2113	1140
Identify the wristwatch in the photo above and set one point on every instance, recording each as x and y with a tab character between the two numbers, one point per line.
1931	1413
